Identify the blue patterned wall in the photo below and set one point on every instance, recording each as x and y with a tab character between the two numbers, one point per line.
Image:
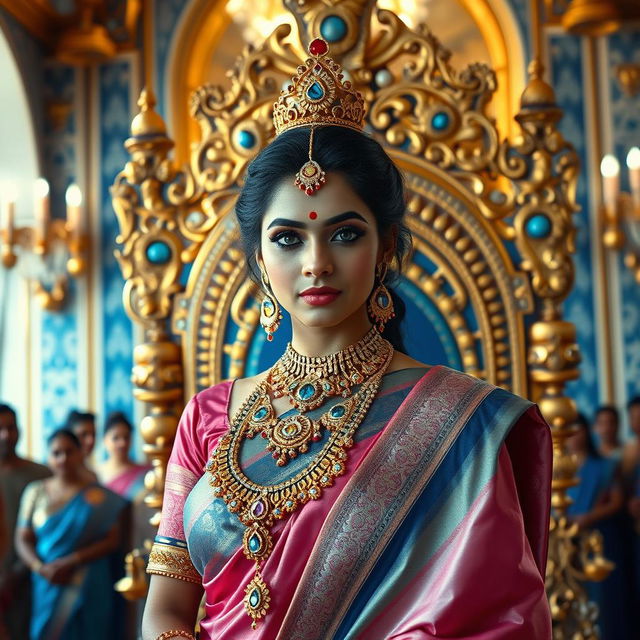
115	119
59	364
566	76
625	113
166	16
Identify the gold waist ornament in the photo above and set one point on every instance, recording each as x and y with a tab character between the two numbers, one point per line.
259	507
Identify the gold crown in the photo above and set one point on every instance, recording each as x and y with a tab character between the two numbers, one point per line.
318	95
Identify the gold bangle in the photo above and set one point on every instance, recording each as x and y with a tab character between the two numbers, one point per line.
176	633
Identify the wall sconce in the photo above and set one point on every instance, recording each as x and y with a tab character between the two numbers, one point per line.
51	250
622	210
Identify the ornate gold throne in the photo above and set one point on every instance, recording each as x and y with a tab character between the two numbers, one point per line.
491	220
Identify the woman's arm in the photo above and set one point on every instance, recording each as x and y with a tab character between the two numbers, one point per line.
25	542
171	604
608	505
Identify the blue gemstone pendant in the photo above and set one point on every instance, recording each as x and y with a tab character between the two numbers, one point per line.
257	598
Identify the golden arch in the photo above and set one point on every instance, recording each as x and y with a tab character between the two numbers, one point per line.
204	23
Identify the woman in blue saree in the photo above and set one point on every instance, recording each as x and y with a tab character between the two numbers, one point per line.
597	504
67	529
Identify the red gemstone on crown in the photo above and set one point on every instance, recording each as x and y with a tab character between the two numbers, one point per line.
318	47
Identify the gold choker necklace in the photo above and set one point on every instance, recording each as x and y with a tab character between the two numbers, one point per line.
309	381
258	506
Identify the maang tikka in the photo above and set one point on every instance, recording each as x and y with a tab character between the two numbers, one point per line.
270	313
380	303
317	96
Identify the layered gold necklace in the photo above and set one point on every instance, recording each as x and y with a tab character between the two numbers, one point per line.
308	382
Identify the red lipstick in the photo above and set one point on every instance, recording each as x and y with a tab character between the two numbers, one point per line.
319	296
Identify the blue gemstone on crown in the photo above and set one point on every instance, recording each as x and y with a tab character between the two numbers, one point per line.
315	91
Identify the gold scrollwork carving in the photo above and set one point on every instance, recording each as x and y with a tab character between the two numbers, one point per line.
493	216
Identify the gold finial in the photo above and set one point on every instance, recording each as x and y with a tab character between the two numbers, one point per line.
148	121
318	95
537	93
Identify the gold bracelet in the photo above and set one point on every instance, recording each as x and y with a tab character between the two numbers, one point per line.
176	633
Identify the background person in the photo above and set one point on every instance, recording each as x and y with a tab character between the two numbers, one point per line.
15	474
68	527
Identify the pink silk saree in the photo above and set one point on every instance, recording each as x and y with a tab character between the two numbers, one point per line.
437	530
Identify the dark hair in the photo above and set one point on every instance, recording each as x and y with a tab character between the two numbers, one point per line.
365	166
115	418
5	408
583	423
63	432
76	417
632	403
609	408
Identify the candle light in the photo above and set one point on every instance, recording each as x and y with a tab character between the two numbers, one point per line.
633	164
8	197
610	170
73	196
41	194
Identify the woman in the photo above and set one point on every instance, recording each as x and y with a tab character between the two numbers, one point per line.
119	473
371	508
67	529
597	504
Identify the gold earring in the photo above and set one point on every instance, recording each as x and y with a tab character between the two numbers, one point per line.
380	303
270	314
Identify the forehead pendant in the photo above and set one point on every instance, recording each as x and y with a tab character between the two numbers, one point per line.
317	96
311	176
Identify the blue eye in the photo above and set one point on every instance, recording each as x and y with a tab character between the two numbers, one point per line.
347	234
286	239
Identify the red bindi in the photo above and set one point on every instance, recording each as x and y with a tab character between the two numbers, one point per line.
313	215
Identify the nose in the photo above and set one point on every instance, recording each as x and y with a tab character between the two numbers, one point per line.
318	261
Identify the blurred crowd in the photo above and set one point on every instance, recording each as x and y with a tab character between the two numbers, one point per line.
607	500
64	530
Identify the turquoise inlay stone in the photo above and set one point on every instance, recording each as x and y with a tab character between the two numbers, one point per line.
538	226
254	598
158	252
333	28
267	307
324	479
288	504
306	391
338	411
383	300
255	543
440	120
315	91
260	414
277	512
313	492
337	467
246	139
233	503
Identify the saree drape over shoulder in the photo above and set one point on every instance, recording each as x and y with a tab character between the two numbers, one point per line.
437	530
84	607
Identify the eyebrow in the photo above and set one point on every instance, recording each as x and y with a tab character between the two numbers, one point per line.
341	217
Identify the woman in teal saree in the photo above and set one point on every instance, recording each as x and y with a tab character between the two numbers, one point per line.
66	531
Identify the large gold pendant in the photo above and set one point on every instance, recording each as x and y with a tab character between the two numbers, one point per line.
257	598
